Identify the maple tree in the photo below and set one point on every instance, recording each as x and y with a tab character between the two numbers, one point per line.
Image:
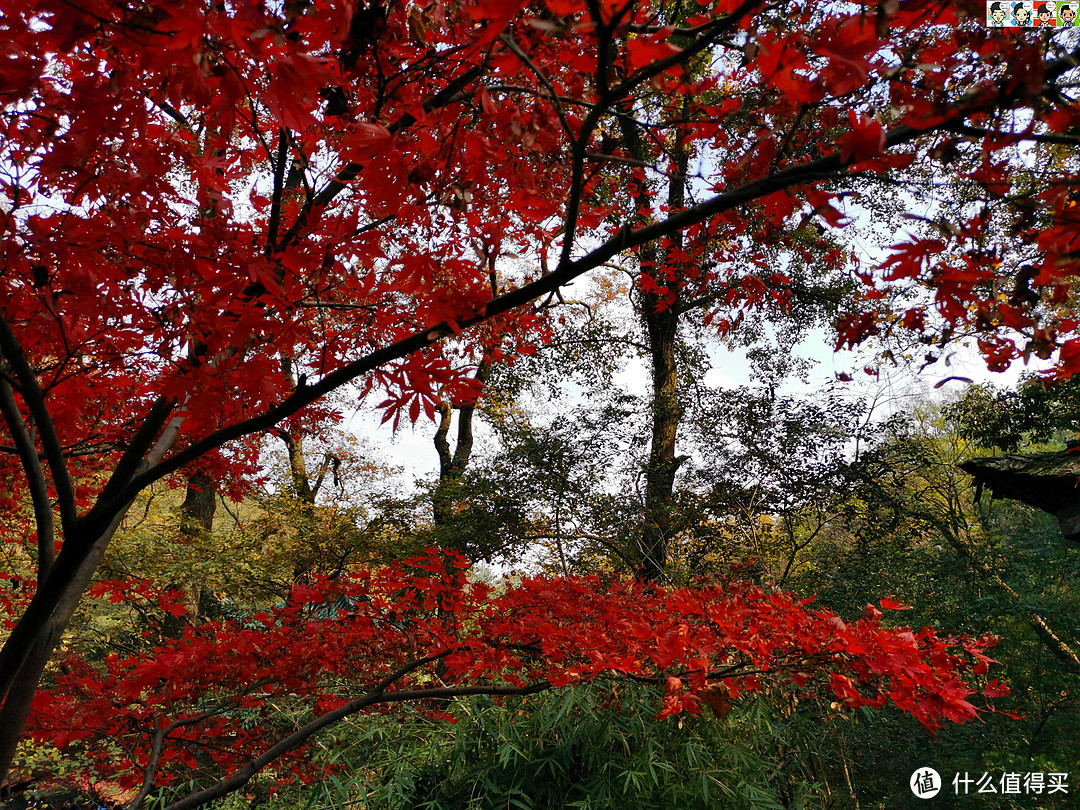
214	688
191	192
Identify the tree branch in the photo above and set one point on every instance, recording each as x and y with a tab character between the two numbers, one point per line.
507	40
12	352
162	733
279	184
350	171
375	696
980	132
35	478
567	270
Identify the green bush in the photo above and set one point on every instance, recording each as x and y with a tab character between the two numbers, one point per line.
595	746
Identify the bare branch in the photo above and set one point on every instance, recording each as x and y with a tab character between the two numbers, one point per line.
979	132
327	193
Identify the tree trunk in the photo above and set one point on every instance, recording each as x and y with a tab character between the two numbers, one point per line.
662	331
197	518
39	631
199	506
660	315
452	465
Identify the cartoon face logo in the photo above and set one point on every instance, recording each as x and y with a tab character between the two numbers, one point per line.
1067	13
1021	14
1045	13
997	14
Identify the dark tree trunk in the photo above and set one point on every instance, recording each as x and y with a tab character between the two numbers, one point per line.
452	464
662	331
200	504
294	446
196	518
660	315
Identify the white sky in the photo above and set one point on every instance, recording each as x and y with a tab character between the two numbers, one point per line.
412	447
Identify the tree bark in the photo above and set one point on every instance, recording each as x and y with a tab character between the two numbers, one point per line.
660	315
662	331
55	601
452	465
199	506
196	519
29	646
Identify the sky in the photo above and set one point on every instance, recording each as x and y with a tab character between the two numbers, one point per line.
895	388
